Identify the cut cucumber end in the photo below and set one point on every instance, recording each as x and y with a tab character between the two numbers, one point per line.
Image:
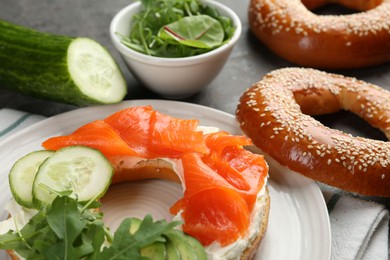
22	175
82	170
95	72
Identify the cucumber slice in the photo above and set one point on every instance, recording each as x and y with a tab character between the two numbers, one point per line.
22	175
70	70
82	170
94	72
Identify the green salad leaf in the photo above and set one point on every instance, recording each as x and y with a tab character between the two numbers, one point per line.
127	246
66	221
199	31
177	28
60	231
67	229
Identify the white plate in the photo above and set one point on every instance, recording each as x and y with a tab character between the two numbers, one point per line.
298	224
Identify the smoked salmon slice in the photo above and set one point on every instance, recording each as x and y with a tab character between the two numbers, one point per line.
252	167
172	136
199	176
97	134
153	134
212	209
218	141
243	169
218	214
225	170
220	189
133	126
139	131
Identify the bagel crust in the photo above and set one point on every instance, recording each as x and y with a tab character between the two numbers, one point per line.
296	34
252	249
275	114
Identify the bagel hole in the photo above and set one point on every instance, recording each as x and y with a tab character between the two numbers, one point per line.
334	9
351	124
139	198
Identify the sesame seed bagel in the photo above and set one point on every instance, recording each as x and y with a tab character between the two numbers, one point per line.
275	114
296	34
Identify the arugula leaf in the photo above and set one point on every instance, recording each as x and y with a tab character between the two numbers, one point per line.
65	220
66	230
150	232
127	246
123	245
95	237
28	241
10	240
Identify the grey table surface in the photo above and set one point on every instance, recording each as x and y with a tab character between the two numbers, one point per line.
249	61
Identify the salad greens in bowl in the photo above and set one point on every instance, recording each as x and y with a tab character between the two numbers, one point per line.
172	29
175	47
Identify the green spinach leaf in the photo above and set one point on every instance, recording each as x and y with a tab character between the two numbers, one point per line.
201	31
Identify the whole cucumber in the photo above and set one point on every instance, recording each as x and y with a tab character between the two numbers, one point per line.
71	70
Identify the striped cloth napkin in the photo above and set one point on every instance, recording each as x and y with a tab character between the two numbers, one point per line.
12	120
360	228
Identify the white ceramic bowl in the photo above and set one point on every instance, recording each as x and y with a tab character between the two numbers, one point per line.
173	77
